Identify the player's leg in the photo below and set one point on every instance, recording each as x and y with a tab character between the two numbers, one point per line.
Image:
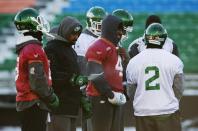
62	123
33	119
101	119
118	118
144	123
171	122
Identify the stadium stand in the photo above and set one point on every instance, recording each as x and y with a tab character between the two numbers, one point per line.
182	28
8	36
180	20
136	6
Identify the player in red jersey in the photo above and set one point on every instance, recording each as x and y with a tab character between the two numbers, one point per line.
105	73
33	84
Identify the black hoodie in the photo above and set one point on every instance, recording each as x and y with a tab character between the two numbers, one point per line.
63	64
110	26
68	26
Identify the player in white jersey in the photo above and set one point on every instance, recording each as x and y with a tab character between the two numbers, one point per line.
94	18
158	77
138	44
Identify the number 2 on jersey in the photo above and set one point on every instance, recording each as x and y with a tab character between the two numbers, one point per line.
152	78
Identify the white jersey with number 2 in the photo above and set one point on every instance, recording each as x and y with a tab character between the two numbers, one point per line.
153	71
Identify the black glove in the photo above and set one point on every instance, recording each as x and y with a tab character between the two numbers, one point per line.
86	107
79	80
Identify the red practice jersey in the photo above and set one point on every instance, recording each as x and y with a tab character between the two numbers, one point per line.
105	53
30	53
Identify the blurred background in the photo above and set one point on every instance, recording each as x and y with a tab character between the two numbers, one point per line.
180	18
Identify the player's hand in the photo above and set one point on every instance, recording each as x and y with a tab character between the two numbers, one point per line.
51	101
86	107
79	80
54	103
118	99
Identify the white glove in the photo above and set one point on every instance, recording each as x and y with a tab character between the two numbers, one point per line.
118	99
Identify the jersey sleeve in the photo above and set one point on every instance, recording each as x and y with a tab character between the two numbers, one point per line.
96	53
179	67
130	73
175	50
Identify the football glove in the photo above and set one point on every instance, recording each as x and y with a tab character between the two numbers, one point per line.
79	80
52	101
86	107
118	99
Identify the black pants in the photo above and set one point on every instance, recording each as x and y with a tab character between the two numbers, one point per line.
169	122
33	119
106	116
61	123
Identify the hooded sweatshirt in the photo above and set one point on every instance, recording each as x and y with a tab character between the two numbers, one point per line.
110	26
68	26
63	64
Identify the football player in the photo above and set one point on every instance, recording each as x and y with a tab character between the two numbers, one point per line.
138	45
127	20
33	80
94	18
105	89
155	77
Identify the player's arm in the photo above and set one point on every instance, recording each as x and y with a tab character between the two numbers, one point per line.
39	83
131	88
175	50
96	76
131	85
178	85
95	69
133	50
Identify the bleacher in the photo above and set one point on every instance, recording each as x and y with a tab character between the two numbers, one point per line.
135	6
8	9
179	17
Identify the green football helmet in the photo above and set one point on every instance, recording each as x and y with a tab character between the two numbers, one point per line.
127	20
29	20
95	16
155	34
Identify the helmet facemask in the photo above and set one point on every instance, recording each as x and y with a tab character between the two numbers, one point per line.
43	24
95	27
127	30
127	20
95	16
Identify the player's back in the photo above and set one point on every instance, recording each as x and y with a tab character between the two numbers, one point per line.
154	71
